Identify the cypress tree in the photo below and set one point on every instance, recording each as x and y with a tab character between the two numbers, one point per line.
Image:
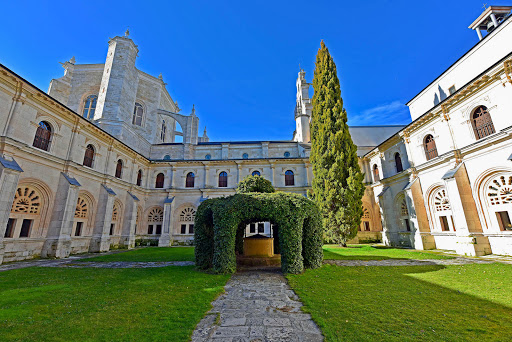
338	182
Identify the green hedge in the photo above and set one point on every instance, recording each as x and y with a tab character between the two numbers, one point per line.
254	184
220	221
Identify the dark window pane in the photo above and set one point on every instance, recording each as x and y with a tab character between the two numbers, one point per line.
444	223
158	229
407	225
504	220
261	227
191	229
112	228
252	228
10	228
150	229
183	229
289	178
78	229
25	228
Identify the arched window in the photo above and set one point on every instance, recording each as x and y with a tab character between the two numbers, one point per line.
365	220
159	181
43	136
186	221
155	219
245	156
442	210
287	154
398	162
430	147
289	178
90	107
256	173
499	195
223	179
208	157
25	212
162	131
404	215
138	114
482	122
189	183
139	178
81	215
376	175
167	157
119	168
89	155
116	212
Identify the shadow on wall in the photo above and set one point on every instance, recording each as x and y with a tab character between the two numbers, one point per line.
441	97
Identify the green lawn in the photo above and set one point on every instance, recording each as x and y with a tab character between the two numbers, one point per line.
91	304
149	254
413	303
368	252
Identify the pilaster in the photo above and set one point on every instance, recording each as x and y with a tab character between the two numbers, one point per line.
421	238
129	221
166	236
100	241
470	238
9	176
58	239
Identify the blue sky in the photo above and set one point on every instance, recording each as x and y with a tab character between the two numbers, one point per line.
237	61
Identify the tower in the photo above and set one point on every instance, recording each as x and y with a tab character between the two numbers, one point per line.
119	84
303	110
490	19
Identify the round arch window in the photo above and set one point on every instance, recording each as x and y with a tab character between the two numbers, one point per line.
256	173
287	154
245	156
208	157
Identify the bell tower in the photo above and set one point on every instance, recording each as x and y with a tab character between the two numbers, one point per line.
490	19
303	110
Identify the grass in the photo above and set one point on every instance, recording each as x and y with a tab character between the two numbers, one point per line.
149	254
413	303
368	252
90	304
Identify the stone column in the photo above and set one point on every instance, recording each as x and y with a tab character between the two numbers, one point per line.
174	176
206	175
58	239
306	171
273	168
129	221
166	236
421	237
9	176
100	241
469	233
239	173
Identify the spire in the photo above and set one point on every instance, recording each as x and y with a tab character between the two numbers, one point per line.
193	110
160	77
127	32
204	133
72	60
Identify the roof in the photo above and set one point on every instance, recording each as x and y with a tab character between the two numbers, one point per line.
372	135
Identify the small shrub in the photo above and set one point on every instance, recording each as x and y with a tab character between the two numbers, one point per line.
254	184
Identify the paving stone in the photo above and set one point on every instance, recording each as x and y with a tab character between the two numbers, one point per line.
258	306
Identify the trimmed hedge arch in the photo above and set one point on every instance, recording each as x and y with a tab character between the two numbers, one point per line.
220	223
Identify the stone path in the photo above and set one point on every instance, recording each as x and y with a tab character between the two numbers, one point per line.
72	262
258	306
411	262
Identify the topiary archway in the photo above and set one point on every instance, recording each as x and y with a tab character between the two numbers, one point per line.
220	222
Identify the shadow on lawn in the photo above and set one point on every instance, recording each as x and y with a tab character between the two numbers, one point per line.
407	303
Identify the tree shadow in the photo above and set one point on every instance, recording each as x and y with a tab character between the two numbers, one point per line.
405	303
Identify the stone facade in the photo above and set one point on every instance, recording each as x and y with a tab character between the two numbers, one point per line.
452	186
106	160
